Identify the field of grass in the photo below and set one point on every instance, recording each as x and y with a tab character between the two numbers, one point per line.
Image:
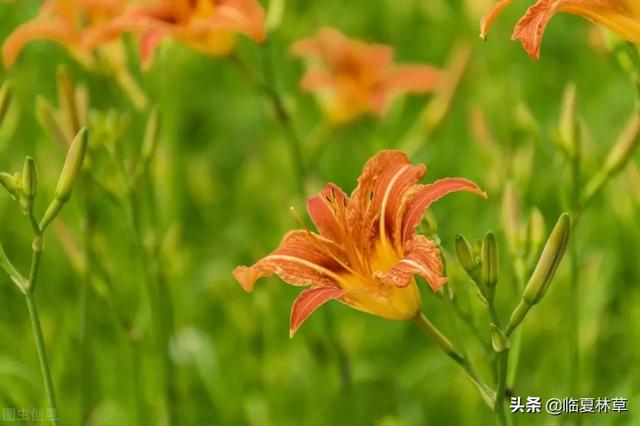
142	319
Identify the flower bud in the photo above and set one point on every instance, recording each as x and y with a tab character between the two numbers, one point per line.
68	176
10	183
568	128
72	165
47	119
524	120
5	100
625	146
151	136
489	261
29	180
465	255
549	260
537	228
511	216
67	103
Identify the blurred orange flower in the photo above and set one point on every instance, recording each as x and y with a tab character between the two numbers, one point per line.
367	251
208	26
351	77
620	16
64	22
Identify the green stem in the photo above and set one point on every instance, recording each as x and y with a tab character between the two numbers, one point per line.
503	365
267	84
283	116
136	380
42	353
85	373
574	287
471	325
443	343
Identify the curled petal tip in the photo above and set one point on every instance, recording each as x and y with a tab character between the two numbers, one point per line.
437	285
246	277
307	302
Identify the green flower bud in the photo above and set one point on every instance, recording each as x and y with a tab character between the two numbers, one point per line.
490	261
68	176
537	229
67	102
72	166
549	260
524	120
29	180
46	116
625	146
465	255
151	136
568	133
511	217
10	183
5	100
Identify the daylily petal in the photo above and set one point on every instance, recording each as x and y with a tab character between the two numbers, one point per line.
308	301
429	193
37	29
327	210
316	79
393	189
242	16
412	78
491	15
363	208
403	80
621	16
339	52
421	257
149	41
302	259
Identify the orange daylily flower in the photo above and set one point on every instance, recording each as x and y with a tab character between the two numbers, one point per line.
351	77
366	251
62	21
208	26
620	16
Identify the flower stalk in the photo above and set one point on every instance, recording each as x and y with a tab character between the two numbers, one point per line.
488	395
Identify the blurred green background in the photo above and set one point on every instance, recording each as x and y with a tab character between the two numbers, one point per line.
224	183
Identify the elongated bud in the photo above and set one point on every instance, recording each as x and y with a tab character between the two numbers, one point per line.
151	134
10	183
29	182
511	216
489	261
465	255
67	103
538	229
68	176
549	260
568	129
5	100
82	105
524	120
72	166
624	147
47	119
438	107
